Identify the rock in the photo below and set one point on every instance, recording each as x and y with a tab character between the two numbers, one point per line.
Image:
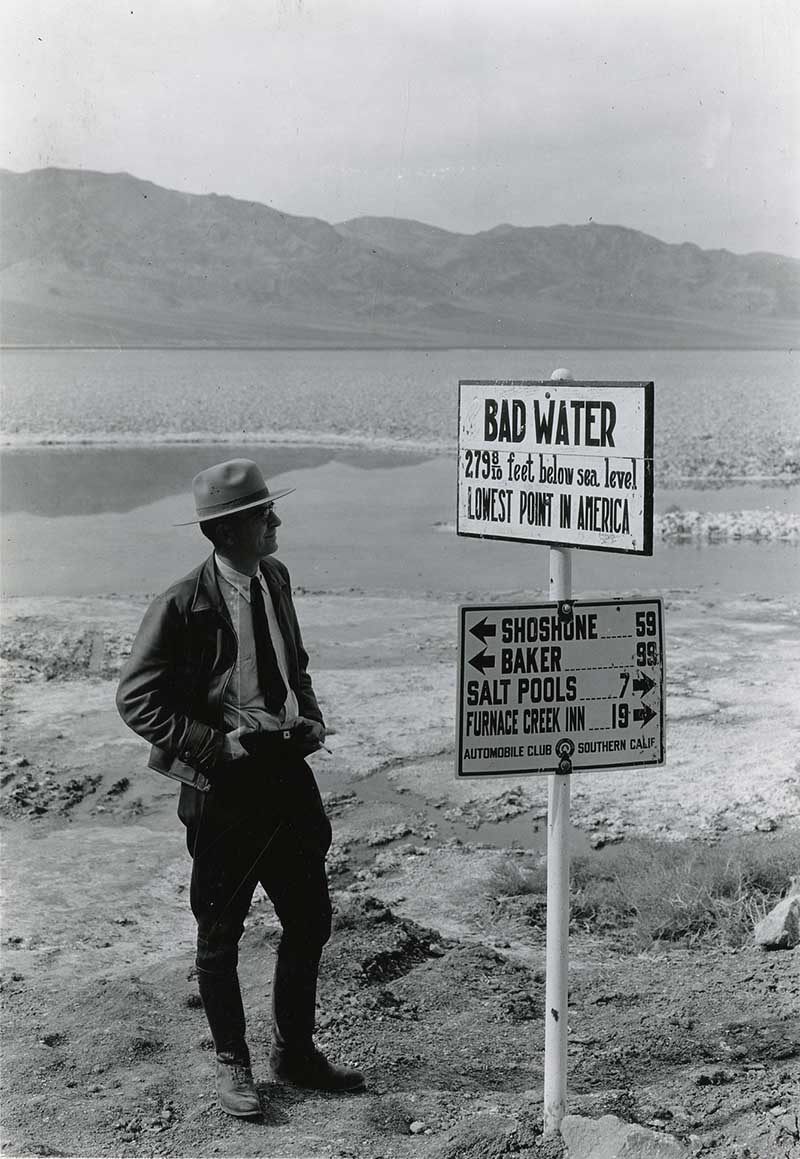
780	929
715	526
600	840
768	825
417	1127
714	1076
484	1136
611	1138
338	862
386	862
385	836
523	1008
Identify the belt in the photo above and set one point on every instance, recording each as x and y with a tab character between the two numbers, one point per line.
259	742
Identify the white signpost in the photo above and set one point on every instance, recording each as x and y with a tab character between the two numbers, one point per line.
562	463
568	464
541	682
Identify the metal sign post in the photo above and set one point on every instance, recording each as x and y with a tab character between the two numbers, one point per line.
557	950
557	962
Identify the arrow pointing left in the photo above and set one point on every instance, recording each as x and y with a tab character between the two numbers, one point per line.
484	629
482	662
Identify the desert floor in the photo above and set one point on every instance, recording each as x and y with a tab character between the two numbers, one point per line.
432	982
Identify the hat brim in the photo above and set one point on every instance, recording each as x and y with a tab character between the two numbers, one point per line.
270	498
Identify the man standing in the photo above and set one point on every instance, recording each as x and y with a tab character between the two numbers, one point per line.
217	682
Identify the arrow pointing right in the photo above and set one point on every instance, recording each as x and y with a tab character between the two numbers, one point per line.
484	629
643	714
482	662
643	684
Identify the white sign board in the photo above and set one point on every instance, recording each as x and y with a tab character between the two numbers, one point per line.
541	683
569	464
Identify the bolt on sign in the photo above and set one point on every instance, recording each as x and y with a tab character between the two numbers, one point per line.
543	684
568	464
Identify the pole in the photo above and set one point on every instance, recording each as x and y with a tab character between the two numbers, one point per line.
557	961
555	1026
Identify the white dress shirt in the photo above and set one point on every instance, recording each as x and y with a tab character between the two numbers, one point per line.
243	702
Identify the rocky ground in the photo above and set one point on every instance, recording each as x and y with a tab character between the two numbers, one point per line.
434	980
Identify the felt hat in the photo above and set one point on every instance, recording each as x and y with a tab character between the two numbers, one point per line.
229	487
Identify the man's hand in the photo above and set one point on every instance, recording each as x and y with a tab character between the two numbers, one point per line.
312	729
232	749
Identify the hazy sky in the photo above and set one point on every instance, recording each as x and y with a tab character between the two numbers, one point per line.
677	117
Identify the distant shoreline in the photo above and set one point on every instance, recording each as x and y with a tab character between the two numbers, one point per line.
296	439
394	451
417	348
709	429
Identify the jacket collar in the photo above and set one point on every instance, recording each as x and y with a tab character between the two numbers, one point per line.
207	596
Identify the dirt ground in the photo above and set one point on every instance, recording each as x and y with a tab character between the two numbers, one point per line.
431	984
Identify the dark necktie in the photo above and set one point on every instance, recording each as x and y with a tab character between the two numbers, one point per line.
269	676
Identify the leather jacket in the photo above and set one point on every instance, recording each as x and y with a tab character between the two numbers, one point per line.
172	685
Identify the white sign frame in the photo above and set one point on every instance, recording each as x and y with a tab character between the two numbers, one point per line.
473	646
606	416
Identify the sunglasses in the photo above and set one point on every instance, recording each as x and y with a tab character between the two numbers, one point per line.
258	513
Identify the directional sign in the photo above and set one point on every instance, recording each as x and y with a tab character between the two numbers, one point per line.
564	463
541	683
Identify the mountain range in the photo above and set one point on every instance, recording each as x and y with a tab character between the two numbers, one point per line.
97	259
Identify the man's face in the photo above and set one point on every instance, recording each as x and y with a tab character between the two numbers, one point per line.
256	531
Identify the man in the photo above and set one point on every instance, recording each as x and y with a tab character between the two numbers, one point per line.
217	682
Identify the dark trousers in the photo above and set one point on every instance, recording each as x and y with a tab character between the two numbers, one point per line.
262	821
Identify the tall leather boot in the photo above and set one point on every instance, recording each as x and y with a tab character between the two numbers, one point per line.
294	1058
294	999
222	1002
